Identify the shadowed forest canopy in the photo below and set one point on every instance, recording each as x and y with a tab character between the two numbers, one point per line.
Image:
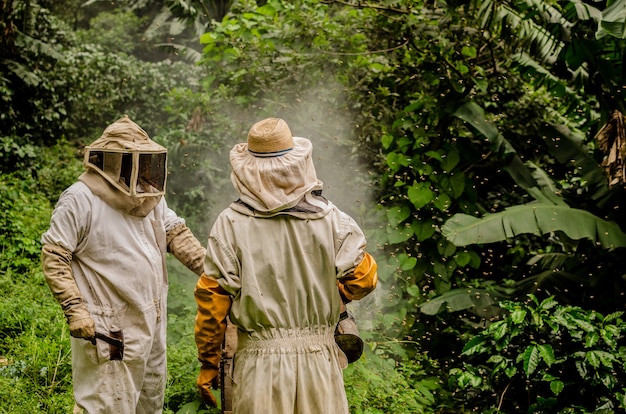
478	143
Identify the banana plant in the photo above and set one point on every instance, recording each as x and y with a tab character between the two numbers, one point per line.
570	46
549	212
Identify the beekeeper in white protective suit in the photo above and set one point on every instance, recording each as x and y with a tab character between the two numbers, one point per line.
104	260
279	262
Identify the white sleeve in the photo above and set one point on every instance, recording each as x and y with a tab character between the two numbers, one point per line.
70	219
170	218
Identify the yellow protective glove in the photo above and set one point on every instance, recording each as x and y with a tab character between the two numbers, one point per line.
361	281
207	379
210	326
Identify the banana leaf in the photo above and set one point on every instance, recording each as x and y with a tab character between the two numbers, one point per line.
533	218
567	146
613	21
474	115
480	301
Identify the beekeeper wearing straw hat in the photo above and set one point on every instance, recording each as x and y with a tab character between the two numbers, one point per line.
104	260
279	260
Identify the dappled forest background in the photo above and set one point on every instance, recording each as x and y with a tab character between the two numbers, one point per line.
478	143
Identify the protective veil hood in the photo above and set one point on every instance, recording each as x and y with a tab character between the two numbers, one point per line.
274	172
126	168
127	158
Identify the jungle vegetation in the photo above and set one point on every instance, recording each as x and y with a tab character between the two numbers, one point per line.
479	143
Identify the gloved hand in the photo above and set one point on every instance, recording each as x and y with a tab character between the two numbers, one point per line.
56	267
210	327
207	379
82	326
186	248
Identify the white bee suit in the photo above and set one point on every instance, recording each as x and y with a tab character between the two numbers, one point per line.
118	266
278	261
104	260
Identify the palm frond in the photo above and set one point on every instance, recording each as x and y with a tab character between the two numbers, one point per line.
474	115
525	24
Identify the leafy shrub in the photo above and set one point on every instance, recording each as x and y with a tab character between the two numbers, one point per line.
545	357
23	218
35	363
378	384
181	394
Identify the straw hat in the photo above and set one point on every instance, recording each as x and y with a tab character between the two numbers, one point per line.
270	137
273	170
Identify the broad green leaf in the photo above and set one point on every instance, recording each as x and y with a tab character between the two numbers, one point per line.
414	291
534	218
474	115
396	235
463	258
469	379
546	304
475	345
395	161
458	299
593	358
453	184
442	270
442	202
613	21
420	194
547	354
189	408
434	154
597	358
423	229
398	214
445	248
531	358
612	316
621	398
499	330
518	316
406	262
413	106
591	339
469	51
511	371
386	140
557	386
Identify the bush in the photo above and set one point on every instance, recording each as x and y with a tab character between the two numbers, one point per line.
545	357
377	384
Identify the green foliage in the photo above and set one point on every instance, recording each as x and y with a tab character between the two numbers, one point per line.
433	109
377	385
23	218
104	86
181	394
543	356
116	32
35	363
32	105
